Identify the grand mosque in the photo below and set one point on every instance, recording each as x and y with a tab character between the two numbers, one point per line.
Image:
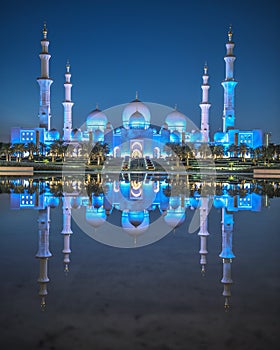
136	137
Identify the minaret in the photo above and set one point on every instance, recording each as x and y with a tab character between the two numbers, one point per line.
229	84
227	254
43	253
203	232
67	104
66	231
205	105
45	83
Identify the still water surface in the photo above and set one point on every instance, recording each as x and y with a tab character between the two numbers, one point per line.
69	281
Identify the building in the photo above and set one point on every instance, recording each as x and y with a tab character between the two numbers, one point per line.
137	137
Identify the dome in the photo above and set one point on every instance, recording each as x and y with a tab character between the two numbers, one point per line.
137	121
53	135
76	135
176	120
136	106
96	120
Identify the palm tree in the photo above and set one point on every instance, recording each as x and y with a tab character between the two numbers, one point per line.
233	150
218	151
31	148
204	150
18	149
243	150
6	148
42	148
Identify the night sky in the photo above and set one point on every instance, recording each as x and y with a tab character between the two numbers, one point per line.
156	47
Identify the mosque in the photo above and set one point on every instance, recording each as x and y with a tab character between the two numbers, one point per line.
136	137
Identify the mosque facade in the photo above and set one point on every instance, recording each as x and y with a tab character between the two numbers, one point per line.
136	137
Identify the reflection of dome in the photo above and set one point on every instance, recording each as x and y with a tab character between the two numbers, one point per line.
96	120
137	121
136	106
174	218
95	217
176	120
76	135
53	134
136	222
136	218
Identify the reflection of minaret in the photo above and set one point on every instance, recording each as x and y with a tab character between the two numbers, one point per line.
226	253
203	232
66	231
67	104
43	252
45	84
229	85
205	105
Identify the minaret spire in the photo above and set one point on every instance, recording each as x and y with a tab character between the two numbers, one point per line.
229	84
205	105
45	83
67	104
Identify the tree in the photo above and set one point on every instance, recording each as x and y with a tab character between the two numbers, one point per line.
31	148
243	148
6	148
218	151
18	149
233	150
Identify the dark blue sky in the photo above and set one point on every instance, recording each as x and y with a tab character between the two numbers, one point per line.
156	47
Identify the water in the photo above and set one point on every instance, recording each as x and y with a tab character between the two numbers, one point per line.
163	295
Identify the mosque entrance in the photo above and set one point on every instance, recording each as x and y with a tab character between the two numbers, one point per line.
136	149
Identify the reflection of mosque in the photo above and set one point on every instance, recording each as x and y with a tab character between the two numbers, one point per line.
135	198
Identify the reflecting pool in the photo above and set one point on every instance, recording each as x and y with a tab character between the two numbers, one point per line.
139	261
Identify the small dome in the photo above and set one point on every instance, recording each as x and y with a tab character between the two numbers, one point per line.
96	120
137	121
176	120
76	135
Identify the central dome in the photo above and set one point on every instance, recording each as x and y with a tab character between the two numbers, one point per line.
137	121
136	106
